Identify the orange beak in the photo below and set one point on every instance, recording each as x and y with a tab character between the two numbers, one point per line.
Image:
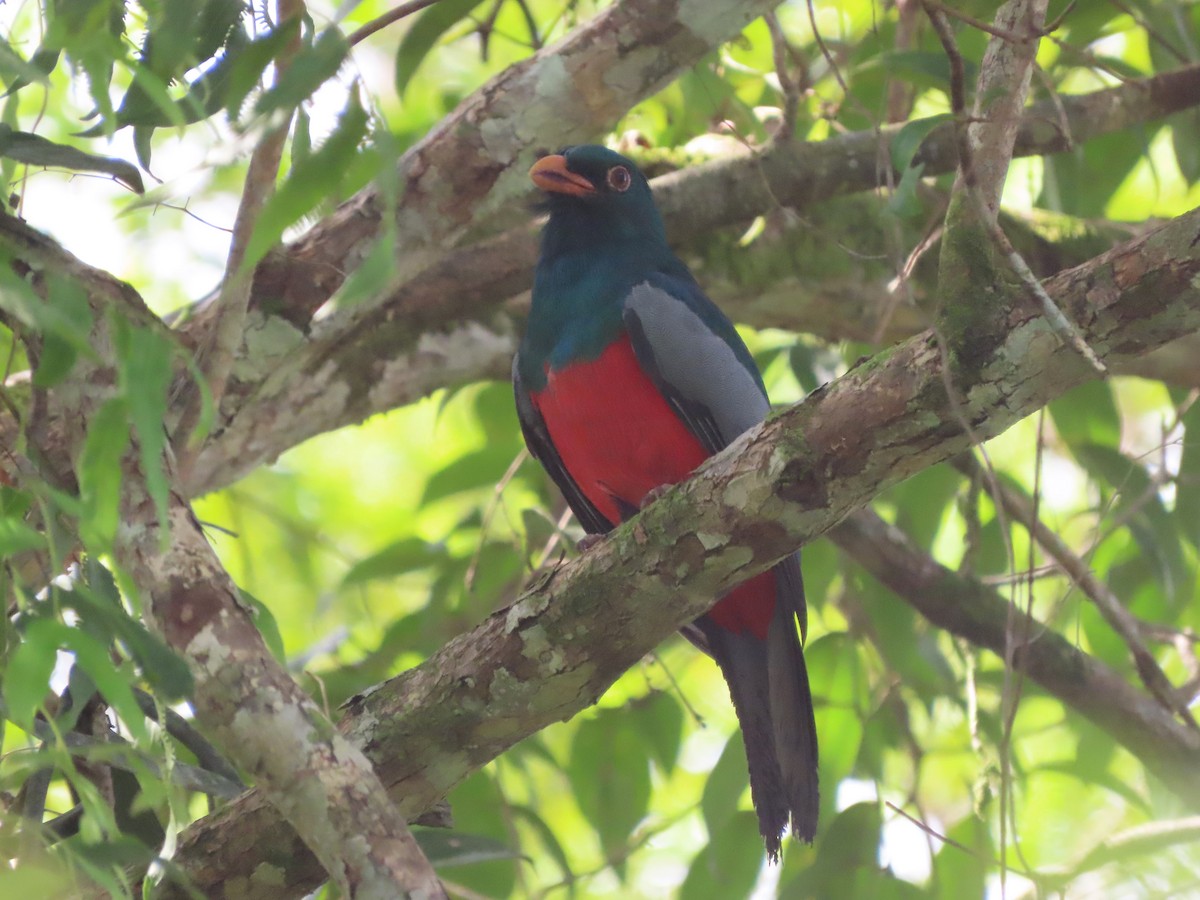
550	173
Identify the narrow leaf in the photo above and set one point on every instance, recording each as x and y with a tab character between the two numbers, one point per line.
424	33
37	151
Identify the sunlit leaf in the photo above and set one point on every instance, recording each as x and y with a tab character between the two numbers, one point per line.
145	365
728	866
100	473
27	675
17	537
425	31
726	783
396	559
310	68
611	777
310	181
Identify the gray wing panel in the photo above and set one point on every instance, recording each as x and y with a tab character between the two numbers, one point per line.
710	388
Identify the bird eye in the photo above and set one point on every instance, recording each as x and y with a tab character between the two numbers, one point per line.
619	179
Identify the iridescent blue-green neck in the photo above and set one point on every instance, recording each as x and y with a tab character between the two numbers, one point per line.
593	252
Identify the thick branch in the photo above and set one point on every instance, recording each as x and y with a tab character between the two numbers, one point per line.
557	649
445	326
260	717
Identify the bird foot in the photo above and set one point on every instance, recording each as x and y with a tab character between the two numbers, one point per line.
587	542
655	494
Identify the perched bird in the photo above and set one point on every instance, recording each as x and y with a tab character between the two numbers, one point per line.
628	377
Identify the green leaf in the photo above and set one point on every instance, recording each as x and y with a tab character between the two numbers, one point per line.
373	274
474	471
144	361
729	865
725	785
398	558
311	68
1082	182
904	203
424	33
264	621
164	669
55	361
309	183
909	138
957	871
100	474
16	71
611	776
658	718
219	23
64	313
1087	415
848	848
925	68
922	502
93	656
545	833
17	537
27	676
1141	507
1185	137
247	63
32	880
1187	488
481	793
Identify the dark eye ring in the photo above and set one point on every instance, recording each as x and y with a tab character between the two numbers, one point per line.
619	179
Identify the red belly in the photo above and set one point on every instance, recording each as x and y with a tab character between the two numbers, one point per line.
620	439
614	431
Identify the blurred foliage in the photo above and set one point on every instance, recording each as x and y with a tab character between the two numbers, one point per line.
366	549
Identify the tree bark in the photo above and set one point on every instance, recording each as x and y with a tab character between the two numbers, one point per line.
571	635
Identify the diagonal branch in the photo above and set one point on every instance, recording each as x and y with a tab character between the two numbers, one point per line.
1123	622
448	325
260	717
965	607
558	647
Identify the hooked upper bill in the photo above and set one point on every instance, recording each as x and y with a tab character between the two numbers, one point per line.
550	173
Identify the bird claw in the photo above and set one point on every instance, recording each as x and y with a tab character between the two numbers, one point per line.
587	542
655	494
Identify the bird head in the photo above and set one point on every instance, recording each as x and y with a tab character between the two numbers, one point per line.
589	185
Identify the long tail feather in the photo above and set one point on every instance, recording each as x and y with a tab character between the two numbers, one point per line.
768	683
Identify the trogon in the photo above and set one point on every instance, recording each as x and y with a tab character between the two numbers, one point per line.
627	378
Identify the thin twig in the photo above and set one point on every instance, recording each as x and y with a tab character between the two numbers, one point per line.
233	300
183	731
388	18
1081	576
788	86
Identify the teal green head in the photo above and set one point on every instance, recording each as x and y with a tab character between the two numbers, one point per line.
604	236
596	196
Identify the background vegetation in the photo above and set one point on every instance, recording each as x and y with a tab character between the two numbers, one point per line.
127	134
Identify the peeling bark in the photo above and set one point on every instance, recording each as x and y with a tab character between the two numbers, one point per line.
259	716
291	385
560	645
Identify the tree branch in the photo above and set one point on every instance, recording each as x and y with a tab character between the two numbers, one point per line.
447	325
969	609
450	324
559	646
259	716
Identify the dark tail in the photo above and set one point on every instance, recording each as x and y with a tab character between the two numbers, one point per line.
769	686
